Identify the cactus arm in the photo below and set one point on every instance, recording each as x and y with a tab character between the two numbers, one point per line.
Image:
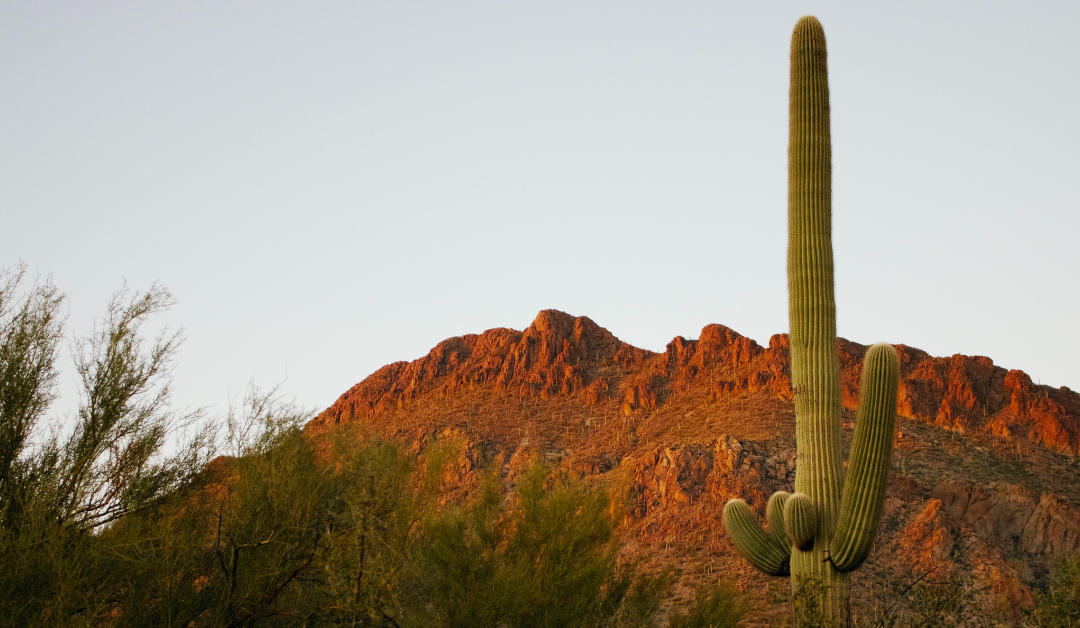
800	519
870	460
774	514
752	541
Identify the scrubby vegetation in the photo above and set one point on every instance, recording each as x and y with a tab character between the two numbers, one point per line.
1058	606
134	514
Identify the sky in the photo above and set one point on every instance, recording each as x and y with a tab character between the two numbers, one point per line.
329	187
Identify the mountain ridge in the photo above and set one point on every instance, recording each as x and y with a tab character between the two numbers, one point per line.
560	354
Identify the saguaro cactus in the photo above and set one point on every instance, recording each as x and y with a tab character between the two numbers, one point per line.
826	527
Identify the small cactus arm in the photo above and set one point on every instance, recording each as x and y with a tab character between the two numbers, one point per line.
774	514
755	544
830	521
801	521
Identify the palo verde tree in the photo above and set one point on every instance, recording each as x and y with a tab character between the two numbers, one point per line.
62	483
825	529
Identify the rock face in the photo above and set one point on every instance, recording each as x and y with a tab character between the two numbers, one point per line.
557	355
927	543
964	393
1013	517
560	354
668	476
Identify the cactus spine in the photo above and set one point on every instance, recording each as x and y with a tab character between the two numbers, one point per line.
829	523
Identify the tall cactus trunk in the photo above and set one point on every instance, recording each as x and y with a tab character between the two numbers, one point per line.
815	369
825	529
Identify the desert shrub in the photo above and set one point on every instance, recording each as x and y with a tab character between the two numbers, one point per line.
1058	606
713	607
922	602
379	498
63	483
544	556
939	604
276	536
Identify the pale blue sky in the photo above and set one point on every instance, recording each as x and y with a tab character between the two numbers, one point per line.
327	187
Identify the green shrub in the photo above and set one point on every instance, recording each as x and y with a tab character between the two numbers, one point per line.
64	484
1059	605
713	607
543	557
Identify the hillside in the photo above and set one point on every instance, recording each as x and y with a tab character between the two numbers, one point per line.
985	484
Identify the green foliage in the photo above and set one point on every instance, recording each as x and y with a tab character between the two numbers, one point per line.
378	505
62	485
544	556
713	607
939	604
31	331
269	533
113	463
1059	605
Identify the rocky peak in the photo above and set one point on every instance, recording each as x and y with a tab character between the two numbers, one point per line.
564	355
558	354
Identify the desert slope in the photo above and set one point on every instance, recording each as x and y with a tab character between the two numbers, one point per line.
985	485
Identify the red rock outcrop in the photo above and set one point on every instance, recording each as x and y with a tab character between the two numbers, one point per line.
563	355
668	476
965	393
927	543
557	355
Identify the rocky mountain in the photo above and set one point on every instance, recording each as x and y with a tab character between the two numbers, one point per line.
985	486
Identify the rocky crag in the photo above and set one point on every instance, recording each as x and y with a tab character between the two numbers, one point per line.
986	478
